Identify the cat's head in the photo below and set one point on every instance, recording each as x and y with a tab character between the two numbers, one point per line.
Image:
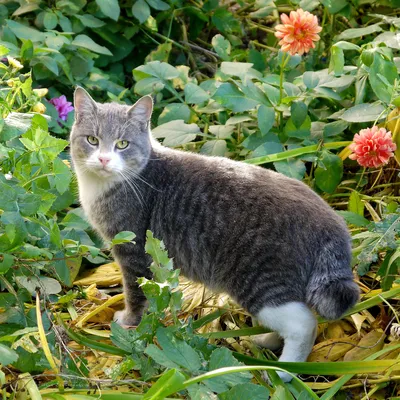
110	141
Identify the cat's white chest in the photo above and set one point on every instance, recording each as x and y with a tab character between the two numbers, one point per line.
90	191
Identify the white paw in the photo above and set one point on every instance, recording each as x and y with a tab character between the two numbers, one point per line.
123	318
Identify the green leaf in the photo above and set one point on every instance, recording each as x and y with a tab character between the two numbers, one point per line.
156	249
6	263
365	112
176	132
265	118
354	219
174	111
355	203
159	69
7	355
50	20
334	6
222	46
236	68
336	63
29	203
329	172
123	237
220	358
231	97
178	351
334	128
62	175
169	383
44	284
87	43
292	168
358	32
90	21
382	76
158	5
141	10
109	8
214	148
24	32
347	46
195	94
310	79
302	132
37	140
245	391
160	357
298	111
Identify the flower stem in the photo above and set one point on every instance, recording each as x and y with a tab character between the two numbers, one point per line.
285	59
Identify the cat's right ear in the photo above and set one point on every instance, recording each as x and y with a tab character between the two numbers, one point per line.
83	103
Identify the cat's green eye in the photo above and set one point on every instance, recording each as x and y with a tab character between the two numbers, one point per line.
122	144
93	140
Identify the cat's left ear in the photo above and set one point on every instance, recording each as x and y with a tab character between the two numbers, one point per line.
142	109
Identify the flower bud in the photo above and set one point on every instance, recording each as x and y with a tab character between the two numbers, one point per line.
39	108
10	82
367	57
14	63
41	92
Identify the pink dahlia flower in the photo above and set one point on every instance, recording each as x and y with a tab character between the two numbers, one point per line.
298	32
62	106
372	147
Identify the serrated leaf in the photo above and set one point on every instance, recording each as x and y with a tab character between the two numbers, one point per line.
62	175
231	97
220	358
6	263
178	351
245	391
302	132
194	94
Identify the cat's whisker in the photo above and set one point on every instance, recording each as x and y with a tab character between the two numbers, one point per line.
133	186
135	175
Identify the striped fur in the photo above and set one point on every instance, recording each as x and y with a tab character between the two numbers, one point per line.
264	238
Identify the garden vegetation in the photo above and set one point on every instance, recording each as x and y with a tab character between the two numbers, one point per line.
309	88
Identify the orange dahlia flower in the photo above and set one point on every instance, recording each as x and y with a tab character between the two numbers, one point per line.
298	32
372	147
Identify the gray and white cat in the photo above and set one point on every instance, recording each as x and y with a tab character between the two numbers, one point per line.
269	241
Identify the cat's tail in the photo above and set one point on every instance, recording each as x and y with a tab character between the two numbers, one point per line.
331	290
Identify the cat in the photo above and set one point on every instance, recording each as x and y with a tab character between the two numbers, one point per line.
268	240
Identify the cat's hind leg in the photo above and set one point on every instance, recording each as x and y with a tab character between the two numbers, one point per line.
297	325
270	340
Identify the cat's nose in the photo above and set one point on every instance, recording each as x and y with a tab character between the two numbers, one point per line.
104	160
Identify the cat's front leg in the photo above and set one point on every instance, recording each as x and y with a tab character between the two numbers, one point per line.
134	264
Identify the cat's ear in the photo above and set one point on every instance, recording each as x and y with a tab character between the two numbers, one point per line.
142	109
83	103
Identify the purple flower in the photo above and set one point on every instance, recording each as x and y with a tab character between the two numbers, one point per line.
62	106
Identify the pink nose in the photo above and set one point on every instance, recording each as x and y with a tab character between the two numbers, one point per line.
104	160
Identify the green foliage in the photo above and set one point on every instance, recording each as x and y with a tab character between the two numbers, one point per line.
222	88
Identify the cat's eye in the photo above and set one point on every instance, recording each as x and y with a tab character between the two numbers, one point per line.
122	144
93	140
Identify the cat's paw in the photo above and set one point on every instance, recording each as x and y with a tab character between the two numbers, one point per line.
124	318
283	375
